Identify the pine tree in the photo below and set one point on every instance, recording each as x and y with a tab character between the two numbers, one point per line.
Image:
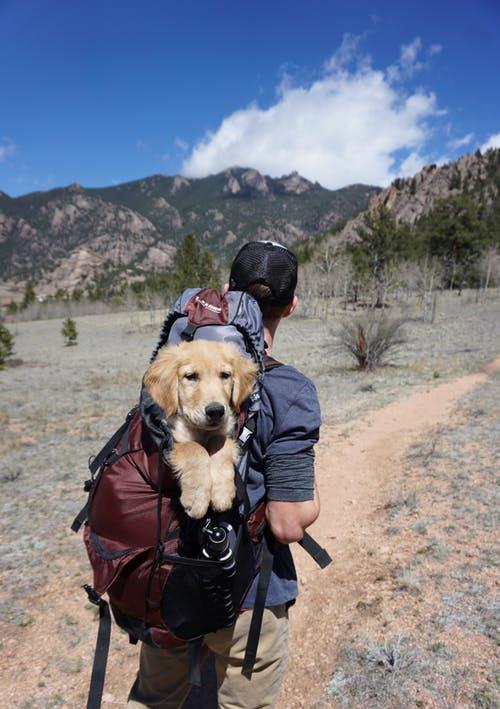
194	267
455	181
6	345
382	242
29	294
454	231
69	331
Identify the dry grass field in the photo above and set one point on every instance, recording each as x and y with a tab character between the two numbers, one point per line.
407	467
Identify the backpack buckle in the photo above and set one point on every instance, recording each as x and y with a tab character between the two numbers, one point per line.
87	485
94	597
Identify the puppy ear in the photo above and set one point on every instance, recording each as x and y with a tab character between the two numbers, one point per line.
245	373
161	380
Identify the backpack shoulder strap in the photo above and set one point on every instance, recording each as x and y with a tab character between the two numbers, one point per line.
271	363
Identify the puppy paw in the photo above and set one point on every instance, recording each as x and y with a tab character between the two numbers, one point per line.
222	472
190	463
223	500
196	506
223	489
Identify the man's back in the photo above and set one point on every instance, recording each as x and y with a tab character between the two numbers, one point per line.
281	461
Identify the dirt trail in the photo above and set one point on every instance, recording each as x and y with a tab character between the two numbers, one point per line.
354	463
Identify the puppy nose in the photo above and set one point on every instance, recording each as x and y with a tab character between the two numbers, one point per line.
214	411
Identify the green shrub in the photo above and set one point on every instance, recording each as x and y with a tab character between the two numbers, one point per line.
69	331
6	345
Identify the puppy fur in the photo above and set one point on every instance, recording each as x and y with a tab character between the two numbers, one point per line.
201	386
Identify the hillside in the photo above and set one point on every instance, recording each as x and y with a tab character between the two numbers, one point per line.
65	238
411	199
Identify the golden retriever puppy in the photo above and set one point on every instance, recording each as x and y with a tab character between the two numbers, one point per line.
201	386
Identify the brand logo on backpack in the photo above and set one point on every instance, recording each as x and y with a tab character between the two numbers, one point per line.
204	304
207	307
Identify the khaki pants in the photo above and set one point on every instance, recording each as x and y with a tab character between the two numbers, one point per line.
162	681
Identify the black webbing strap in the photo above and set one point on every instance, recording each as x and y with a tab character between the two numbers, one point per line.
189	331
258	611
110	446
194	661
101	650
241	492
319	554
99	460
247	432
159	541
80	518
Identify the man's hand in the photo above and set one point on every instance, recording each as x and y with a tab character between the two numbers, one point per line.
289	520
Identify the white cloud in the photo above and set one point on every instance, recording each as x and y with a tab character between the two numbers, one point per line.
434	49
7	147
492	142
411	165
347	126
408	63
348	50
181	144
460	142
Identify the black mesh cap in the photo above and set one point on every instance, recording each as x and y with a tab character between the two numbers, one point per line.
269	263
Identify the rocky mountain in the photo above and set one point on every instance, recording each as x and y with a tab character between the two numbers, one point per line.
409	199
65	238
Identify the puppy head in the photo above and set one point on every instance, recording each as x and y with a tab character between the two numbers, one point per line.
161	379
204	382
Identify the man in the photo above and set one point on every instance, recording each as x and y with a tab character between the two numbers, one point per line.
282	470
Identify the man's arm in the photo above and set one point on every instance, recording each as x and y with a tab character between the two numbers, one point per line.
292	494
289	520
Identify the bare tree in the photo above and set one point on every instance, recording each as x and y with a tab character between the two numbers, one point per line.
428	279
489	267
308	289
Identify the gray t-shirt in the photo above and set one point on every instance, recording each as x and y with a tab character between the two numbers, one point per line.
282	462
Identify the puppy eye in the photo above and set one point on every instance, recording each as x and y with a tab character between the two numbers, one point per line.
192	376
225	375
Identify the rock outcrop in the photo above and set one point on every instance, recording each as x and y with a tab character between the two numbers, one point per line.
77	271
409	199
178	183
253	179
232	185
294	183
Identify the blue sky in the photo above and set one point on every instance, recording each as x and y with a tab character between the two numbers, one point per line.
104	92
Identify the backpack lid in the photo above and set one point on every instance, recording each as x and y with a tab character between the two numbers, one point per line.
204	313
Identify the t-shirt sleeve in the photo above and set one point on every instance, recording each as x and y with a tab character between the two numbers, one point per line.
289	459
